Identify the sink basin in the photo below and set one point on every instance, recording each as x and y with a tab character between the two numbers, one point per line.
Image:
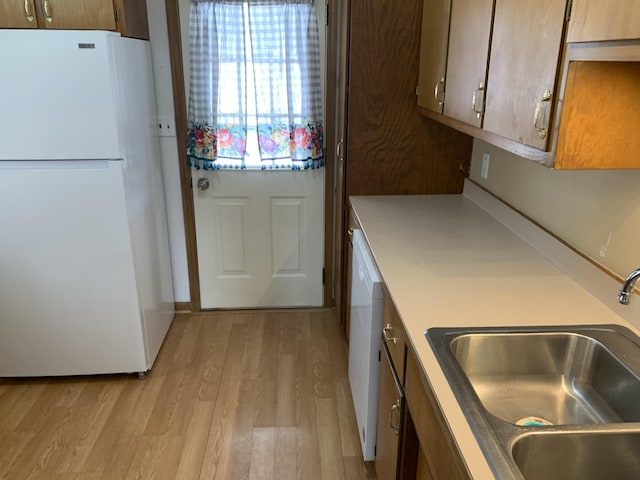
588	455
548	378
548	402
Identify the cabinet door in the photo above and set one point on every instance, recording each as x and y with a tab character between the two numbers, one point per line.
467	59
18	14
433	54
440	458
390	408
604	20
77	14
525	49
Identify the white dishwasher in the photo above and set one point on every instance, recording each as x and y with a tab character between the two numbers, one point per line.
364	342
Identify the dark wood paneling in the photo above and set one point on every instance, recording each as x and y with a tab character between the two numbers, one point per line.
132	18
391	148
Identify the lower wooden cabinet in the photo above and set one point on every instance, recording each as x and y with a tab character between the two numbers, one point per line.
413	439
422	470
441	456
390	419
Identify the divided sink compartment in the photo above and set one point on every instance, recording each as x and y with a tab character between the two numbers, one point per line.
548	402
564	378
591	455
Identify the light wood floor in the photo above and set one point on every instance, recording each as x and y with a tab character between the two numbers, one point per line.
237	395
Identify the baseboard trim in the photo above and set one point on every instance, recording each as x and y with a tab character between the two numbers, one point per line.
182	307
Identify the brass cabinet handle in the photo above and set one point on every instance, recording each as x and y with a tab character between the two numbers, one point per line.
541	115
477	102
339	148
47	11
385	334
436	91
27	11
395	408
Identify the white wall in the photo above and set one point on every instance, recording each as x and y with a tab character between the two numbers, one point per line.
169	147
596	212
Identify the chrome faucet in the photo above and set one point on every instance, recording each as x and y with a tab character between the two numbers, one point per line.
624	296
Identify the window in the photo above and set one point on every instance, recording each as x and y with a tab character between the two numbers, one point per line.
255	92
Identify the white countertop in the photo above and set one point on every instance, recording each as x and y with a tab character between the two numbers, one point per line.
447	263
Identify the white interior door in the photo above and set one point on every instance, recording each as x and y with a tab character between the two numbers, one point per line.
260	237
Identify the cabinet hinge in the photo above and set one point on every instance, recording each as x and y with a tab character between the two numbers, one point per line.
116	14
323	276
191	183
327	17
417	91
379	355
567	16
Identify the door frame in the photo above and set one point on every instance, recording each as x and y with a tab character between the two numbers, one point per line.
180	107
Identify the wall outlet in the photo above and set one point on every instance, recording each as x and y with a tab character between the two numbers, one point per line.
166	126
484	172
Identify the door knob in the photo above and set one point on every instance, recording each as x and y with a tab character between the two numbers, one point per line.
203	183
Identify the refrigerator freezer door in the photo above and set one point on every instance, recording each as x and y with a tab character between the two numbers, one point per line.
57	98
68	301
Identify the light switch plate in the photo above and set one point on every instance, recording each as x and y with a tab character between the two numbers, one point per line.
166	126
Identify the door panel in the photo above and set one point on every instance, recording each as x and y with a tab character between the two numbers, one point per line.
232	246
260	238
287	233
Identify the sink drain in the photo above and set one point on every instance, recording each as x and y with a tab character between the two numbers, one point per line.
533	422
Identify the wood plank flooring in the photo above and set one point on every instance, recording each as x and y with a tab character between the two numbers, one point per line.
233	395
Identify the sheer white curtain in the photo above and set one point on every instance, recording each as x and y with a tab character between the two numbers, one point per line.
255	86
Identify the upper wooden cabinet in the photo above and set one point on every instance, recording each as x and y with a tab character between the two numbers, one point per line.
597	115
539	103
525	47
453	59
604	20
18	14
129	17
467	60
597	101
433	60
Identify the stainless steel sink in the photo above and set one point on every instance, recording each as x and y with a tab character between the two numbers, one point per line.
542	389
560	378
583	455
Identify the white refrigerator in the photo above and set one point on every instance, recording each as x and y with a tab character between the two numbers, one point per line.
85	276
